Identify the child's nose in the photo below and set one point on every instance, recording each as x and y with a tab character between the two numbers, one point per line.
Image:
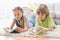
40	16
16	16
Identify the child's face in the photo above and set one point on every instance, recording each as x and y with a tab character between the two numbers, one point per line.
17	14
42	16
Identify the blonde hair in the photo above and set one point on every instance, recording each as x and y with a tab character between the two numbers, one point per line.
43	9
18	8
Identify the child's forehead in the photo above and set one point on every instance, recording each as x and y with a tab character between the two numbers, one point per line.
42	13
17	11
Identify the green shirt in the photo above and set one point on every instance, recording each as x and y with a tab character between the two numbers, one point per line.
48	22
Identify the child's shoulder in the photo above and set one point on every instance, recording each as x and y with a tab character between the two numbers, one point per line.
24	17
49	17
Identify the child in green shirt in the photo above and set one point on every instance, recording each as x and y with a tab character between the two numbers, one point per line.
44	18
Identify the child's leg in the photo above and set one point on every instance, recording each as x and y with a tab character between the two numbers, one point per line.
31	21
30	25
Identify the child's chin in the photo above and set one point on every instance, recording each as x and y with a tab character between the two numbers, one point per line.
18	19
42	19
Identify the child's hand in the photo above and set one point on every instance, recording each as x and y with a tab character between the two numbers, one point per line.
18	29
50	29
25	29
7	29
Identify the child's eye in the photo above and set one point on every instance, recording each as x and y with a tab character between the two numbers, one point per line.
38	13
14	15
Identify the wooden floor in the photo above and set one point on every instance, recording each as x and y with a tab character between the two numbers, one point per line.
24	38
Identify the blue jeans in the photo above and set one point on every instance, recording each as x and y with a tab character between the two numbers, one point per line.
32	21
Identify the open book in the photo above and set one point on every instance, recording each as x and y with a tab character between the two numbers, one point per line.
38	30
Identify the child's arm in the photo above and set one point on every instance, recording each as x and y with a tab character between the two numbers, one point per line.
9	29
25	27
51	24
12	25
18	29
50	28
25	24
